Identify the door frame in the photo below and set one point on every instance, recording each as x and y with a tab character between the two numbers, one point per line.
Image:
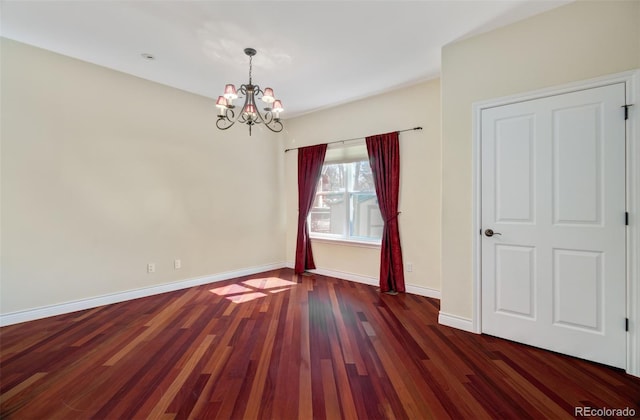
632	84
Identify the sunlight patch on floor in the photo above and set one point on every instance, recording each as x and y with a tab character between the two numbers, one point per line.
253	289
230	290
267	283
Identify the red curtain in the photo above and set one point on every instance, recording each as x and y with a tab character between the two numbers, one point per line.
310	160
384	157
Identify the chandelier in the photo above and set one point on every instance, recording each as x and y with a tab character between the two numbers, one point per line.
250	114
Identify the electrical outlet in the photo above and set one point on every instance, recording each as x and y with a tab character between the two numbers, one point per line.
409	267
151	268
177	264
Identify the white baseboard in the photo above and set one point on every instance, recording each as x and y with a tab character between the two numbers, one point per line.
424	291
79	305
455	321
372	281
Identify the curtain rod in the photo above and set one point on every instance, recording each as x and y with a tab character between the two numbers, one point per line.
355	138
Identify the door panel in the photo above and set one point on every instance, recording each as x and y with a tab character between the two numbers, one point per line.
513	167
553	190
577	168
577	274
515	282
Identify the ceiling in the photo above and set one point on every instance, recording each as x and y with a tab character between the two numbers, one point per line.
314	54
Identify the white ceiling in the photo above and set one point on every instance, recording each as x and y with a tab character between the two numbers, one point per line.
314	54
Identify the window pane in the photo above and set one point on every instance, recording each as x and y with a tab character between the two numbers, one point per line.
362	179
328	213
366	220
333	178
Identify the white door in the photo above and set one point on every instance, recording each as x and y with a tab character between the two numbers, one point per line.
553	193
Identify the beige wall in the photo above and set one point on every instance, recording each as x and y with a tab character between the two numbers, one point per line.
103	172
420	156
579	41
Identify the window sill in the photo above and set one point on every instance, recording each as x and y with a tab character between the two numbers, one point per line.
360	244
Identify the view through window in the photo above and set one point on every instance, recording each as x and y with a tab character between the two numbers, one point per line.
346	206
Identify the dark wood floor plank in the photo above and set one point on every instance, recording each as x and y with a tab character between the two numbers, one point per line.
278	345
305	401
546	407
284	368
260	381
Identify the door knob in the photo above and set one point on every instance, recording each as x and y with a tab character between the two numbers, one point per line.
489	233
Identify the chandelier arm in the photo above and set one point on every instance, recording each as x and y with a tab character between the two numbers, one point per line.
233	114
222	119
228	118
278	126
268	120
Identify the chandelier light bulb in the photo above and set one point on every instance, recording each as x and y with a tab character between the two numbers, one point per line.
250	111
221	102
267	96
277	107
230	92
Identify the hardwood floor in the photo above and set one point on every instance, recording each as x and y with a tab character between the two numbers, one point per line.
281	346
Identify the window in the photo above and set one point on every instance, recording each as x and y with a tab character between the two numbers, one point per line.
346	206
